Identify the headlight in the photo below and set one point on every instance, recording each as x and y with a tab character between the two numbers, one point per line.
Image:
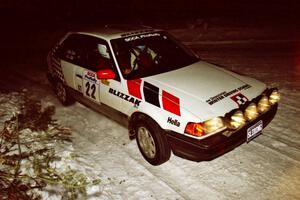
213	125
237	120
274	97
251	112
208	127
263	104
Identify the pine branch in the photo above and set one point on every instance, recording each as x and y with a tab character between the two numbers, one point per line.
29	138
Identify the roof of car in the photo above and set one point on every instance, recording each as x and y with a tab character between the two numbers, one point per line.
116	31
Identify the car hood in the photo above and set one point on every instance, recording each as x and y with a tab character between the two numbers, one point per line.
205	90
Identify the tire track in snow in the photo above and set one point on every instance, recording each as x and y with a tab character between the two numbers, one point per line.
284	141
187	185
276	151
287	106
119	152
178	180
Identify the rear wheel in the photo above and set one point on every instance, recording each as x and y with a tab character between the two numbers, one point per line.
62	94
152	142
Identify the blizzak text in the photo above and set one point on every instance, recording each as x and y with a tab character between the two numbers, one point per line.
125	97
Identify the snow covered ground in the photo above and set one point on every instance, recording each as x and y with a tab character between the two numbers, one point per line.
266	168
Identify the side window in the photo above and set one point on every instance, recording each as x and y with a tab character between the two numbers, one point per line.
71	51
98	55
88	52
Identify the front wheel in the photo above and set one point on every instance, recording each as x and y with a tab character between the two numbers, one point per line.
152	142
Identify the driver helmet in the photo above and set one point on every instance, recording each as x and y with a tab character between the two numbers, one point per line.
103	51
141	47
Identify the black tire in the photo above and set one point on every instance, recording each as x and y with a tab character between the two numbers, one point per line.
147	128
62	94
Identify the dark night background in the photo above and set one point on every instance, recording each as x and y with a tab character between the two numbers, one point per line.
22	19
16	13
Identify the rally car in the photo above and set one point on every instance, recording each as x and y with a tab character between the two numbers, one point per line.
170	99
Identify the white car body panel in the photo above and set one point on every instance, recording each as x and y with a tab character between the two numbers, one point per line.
193	84
160	115
68	73
114	101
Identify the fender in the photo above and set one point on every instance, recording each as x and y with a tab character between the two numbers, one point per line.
164	119
132	120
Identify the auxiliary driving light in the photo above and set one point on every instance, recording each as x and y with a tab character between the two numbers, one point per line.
274	97
263	104
237	120
251	112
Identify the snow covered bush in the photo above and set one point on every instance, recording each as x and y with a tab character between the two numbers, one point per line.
29	161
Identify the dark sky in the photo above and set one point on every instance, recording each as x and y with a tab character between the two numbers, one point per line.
78	10
22	20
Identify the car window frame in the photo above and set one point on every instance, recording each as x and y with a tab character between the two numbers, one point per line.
82	48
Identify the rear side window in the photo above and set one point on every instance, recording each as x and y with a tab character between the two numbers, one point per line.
71	50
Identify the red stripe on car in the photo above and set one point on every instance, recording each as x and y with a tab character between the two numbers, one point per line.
170	103
134	88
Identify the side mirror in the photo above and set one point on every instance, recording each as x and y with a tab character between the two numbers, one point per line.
106	74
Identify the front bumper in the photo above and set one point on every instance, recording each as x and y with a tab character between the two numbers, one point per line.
216	145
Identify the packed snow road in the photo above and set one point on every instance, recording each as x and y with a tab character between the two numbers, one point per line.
266	168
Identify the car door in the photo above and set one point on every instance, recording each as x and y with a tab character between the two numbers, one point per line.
81	60
79	65
98	57
71	60
111	92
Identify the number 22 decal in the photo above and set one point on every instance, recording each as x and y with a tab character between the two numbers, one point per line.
90	90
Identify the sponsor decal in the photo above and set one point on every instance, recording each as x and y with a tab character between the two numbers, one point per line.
138	37
215	99
222	95
239	98
134	88
91	90
125	97
151	94
90	76
170	103
174	122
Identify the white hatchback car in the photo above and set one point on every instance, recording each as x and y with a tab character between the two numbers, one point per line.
170	99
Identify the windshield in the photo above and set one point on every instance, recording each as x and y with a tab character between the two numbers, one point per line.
148	54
